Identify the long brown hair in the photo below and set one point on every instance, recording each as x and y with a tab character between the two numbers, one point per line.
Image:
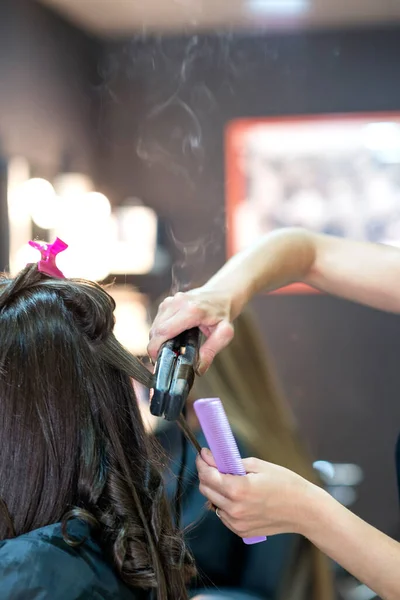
243	377
73	442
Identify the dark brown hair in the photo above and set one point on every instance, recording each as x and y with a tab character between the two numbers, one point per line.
72	438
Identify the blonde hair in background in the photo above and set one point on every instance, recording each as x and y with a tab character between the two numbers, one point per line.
243	377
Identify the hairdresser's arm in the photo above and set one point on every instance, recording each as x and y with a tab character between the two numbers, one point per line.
362	272
273	500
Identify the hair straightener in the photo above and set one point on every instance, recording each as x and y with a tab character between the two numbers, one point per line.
174	374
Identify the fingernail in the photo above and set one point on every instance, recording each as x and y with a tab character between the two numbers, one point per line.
206	451
202	368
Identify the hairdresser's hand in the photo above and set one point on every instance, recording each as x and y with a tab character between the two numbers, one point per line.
211	311
269	500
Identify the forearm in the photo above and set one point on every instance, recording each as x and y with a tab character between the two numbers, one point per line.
362	272
278	259
368	554
359	271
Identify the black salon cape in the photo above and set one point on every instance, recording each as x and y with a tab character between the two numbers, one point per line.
41	566
224	562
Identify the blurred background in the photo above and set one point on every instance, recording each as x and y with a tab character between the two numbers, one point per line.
113	135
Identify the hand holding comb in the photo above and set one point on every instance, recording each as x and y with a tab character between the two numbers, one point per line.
219	436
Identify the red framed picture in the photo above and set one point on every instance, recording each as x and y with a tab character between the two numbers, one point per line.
333	174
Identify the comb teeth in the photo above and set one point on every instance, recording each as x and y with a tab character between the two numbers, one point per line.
219	436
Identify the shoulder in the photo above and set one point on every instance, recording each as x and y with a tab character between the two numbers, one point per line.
41	565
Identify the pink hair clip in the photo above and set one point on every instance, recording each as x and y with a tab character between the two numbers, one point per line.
49	252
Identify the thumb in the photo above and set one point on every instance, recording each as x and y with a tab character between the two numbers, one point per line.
220	337
208	457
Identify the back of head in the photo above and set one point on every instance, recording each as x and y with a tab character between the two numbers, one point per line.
73	442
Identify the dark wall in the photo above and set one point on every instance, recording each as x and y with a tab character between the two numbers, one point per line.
48	76
165	105
48	102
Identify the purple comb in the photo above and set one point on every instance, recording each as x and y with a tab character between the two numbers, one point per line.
47	264
219	436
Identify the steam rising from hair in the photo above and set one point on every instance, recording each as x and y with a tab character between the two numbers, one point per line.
172	110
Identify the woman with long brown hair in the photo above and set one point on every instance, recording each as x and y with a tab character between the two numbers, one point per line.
83	512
